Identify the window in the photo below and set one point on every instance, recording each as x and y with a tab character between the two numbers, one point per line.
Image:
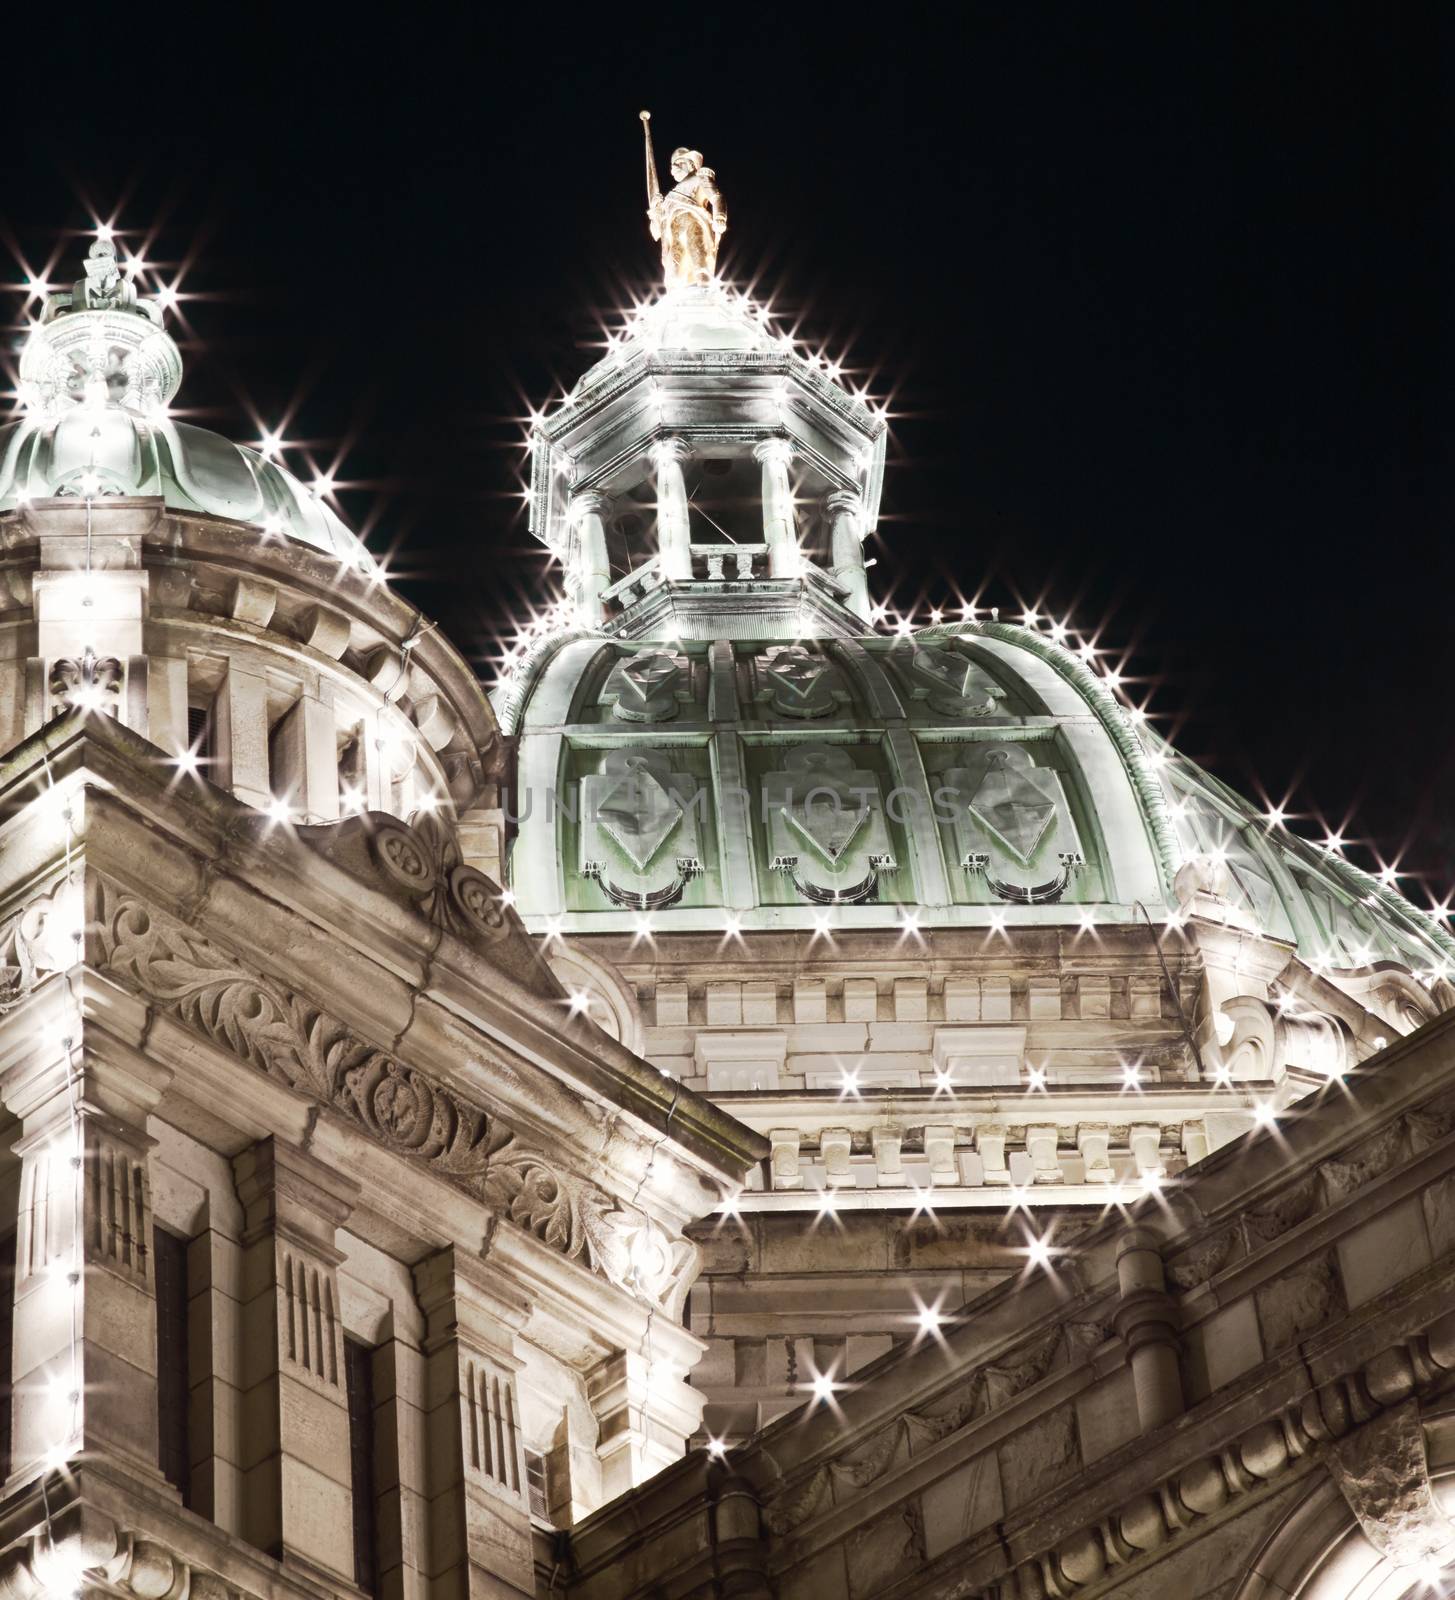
169	1268
537	1485
201	735
359	1380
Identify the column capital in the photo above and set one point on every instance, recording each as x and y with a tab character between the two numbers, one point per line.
671	447
284	1188
843	503
463	1295
775	450
589	503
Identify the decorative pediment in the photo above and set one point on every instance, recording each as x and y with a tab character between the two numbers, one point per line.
285	1036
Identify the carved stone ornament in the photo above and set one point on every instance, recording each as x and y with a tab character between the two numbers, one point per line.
826	826
639	829
81	1549
1383	1474
296	1043
87	682
1011	823
646	687
1380	1466
950	682
38	940
983	1390
419	863
800	683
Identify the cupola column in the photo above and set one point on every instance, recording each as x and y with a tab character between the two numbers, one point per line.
674	532
845	510
779	529
591	575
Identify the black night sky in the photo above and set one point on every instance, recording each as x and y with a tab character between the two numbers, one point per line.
1162	297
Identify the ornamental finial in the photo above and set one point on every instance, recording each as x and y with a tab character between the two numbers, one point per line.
689	219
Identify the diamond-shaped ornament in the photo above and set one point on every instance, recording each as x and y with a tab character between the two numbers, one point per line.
646	688
639	813
827	821
1010	803
802	684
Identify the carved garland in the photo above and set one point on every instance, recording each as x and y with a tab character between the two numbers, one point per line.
982	1390
987	1388
1318	1421
296	1043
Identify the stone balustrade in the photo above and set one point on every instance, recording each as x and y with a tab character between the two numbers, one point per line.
858	1159
716	563
638	582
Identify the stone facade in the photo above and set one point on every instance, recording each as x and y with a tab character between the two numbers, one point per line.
899	1130
1239	1388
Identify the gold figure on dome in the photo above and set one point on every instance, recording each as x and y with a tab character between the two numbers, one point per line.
689	219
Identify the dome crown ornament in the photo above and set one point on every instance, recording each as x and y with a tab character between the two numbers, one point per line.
100	346
689	220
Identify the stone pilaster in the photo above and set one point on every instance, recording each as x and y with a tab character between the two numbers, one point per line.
84	1365
478	1512
240	717
296	1493
644	1417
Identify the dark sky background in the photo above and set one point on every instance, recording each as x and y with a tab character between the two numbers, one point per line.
1161	294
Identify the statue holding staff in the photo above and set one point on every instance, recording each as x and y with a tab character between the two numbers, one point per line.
689	219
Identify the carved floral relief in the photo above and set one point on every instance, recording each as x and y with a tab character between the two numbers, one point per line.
295	1042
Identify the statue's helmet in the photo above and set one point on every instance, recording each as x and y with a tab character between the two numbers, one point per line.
692	159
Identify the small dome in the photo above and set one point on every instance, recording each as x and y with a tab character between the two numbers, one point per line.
113	452
96	374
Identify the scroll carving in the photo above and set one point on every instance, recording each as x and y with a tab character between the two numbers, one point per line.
291	1040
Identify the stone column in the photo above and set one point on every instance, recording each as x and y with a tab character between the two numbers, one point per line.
306	745
1146	1319
240	715
780	530
478	1513
167	703
844	509
674	529
591	570
84	1379
296	1491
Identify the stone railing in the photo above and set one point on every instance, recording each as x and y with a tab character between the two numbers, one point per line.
639	582
716	563
957	1155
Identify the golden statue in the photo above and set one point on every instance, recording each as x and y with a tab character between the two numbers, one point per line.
689	219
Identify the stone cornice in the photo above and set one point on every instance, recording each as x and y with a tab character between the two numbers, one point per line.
433	937
1269	1211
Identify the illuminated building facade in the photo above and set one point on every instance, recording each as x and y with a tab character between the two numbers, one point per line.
899	1130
